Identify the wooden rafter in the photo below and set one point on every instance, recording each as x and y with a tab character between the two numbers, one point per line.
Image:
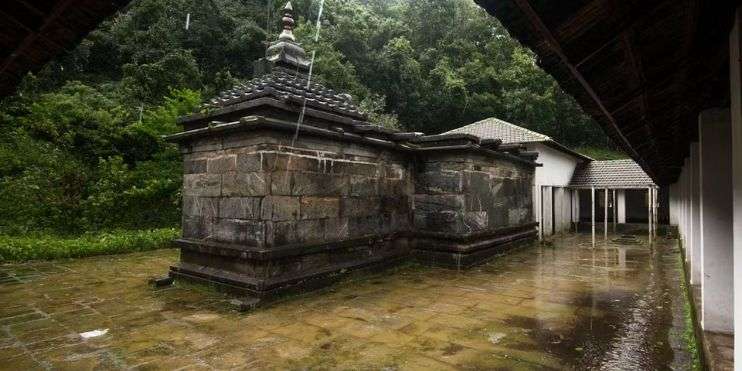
32	36
541	29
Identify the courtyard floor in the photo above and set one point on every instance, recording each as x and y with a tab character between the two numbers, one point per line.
616	306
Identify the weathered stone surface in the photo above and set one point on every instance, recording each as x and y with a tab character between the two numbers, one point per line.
244	185
364	225
280	233
360	206
336	229
222	164
355	168
316	184
436	203
362	186
310	231
249	162
320	207
240	231
444	221
240	207
206	207
280	208
395	204
438	183
282	183
476	221
204	185
194	166
282	161
195	228
206	145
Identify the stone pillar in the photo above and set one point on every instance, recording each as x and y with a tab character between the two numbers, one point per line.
537	201
694	245
547	205
615	211
592	211
686	209
575	206
649	212
558	209
621	206
715	146
605	214
735	74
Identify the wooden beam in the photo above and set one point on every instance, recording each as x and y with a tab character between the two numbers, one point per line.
29	29
542	30
30	38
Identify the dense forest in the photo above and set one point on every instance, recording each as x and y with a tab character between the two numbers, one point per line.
81	145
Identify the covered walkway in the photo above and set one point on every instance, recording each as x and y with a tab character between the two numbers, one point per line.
619	305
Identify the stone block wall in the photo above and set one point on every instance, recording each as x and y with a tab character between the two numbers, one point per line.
463	194
265	214
470	206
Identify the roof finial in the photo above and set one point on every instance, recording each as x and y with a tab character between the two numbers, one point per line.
288	23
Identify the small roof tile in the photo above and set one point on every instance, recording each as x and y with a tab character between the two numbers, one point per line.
611	174
494	128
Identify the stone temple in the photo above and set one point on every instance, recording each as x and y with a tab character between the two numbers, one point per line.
287	187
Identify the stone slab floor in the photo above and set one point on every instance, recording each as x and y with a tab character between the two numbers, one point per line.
566	306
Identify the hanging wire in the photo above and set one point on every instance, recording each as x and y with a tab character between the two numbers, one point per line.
309	76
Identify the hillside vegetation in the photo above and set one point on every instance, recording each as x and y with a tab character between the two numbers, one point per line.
81	147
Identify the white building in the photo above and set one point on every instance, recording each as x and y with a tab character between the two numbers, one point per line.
569	185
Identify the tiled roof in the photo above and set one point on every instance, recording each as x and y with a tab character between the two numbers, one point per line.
284	84
493	128
611	174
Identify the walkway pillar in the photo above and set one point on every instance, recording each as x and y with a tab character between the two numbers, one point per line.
735	74
615	212
715	154
649	213
695	223
605	215
547	207
592	211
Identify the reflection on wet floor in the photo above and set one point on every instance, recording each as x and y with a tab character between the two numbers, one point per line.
566	306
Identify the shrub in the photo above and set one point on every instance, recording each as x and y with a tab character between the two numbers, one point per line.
38	247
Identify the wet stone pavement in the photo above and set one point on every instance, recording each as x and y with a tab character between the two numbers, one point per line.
566	306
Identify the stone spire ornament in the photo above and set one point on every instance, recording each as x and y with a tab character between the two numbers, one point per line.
288	24
284	52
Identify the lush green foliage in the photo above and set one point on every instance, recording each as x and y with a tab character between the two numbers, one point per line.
36	247
81	149
73	159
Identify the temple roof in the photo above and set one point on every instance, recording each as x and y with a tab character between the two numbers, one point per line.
494	128
611	174
284	74
287	85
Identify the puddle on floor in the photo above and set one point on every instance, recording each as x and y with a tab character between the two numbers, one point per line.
566	306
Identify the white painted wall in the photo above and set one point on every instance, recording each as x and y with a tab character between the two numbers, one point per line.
558	166
621	205
715	154
556	172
